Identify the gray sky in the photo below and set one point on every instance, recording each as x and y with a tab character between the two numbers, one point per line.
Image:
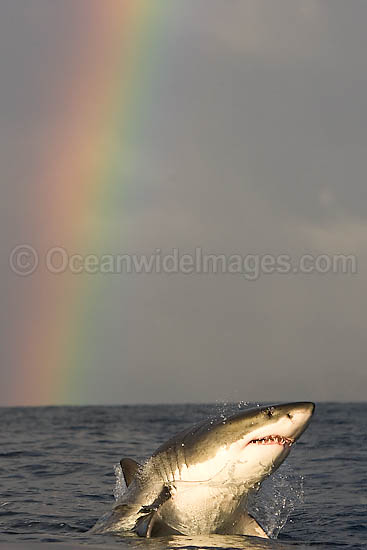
256	144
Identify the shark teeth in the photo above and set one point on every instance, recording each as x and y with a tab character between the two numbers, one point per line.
273	440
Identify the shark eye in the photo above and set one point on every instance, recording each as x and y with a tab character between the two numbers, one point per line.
290	415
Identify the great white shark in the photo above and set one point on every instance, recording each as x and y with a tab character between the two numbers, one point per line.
199	481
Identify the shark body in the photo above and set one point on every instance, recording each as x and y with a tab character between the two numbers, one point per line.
198	482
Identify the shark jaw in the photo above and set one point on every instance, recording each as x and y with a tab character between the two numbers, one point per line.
272	440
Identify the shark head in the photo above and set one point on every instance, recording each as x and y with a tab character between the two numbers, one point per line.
244	448
265	437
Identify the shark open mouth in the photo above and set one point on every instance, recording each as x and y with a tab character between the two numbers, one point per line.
273	440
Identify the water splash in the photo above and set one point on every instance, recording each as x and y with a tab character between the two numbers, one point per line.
224	409
277	498
120	485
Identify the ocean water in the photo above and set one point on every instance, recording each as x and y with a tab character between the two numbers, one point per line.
57	477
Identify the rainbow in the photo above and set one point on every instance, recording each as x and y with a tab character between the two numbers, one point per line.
102	107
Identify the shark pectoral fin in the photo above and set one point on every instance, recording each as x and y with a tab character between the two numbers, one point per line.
129	468
252	527
151	525
144	525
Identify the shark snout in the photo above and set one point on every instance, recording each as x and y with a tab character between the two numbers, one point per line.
297	417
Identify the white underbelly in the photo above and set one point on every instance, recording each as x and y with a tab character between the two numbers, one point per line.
198	508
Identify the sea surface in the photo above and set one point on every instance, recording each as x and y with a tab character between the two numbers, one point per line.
58	476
